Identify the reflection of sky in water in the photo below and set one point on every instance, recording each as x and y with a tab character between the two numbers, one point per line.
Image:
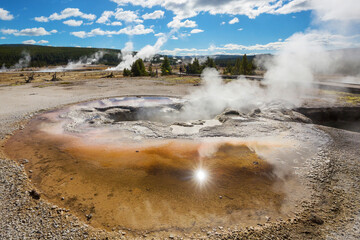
133	102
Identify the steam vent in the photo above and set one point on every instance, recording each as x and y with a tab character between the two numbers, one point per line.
138	164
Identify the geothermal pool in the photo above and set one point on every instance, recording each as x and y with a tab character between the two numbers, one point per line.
135	163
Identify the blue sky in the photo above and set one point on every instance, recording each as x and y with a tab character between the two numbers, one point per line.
188	26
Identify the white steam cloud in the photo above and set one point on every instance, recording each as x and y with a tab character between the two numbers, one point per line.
83	61
214	96
146	53
24	62
290	74
93	59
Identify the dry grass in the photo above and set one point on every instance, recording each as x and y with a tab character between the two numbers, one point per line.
18	78
343	97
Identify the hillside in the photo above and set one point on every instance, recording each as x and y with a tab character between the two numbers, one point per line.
48	56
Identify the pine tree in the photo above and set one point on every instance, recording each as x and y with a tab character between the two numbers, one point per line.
165	67
244	66
237	68
210	63
138	68
126	72
135	69
228	69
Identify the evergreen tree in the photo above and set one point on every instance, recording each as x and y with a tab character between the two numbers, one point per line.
194	68
228	69
165	67
251	67
138	68
210	63
244	66
150	70
237	68
126	72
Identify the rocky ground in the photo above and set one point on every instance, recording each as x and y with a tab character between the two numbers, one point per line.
332	213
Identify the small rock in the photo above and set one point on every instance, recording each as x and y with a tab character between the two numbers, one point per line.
316	219
257	111
171	236
34	194
24	161
89	216
220	197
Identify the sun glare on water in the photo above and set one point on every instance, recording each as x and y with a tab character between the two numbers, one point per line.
201	176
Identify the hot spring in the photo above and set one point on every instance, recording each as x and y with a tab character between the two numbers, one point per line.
135	163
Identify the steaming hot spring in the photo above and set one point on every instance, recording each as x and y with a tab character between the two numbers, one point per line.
140	163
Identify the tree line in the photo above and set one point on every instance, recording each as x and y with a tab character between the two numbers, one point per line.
138	69
42	56
242	66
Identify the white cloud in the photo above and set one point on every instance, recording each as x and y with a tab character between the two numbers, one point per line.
127	16
326	39
174	38
234	20
34	42
105	17
41	19
190	8
176	23
9	31
154	15
28	32
240	29
222	23
136	30
119	14
73	23
5	15
80	34
196	31
116	24
2	38
66	13
159	34
328	10
29	42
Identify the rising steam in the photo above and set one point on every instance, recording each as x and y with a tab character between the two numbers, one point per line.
146	53
24	62
290	74
83	61
93	59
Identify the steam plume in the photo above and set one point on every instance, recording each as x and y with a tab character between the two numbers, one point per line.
24	62
146	52
288	80
93	59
